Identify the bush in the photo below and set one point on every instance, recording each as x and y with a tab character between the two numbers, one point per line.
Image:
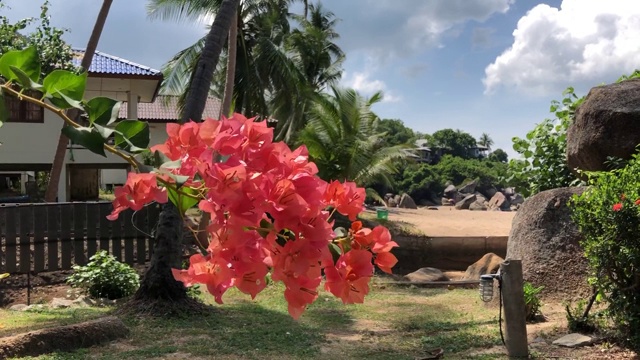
531	300
608	216
105	277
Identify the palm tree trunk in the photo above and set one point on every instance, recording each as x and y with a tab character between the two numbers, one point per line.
231	67
158	283
51	193
214	42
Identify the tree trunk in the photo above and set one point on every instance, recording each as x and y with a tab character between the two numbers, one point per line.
158	285
51	194
231	67
158	282
214	42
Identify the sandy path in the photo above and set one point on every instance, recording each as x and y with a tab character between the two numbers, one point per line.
447	221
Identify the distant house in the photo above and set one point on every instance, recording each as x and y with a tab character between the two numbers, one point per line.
478	151
30	136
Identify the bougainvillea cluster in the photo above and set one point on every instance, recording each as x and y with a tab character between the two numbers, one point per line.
270	212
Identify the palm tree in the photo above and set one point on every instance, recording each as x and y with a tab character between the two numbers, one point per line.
343	139
158	282
51	194
485	140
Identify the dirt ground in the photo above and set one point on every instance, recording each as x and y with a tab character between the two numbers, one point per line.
447	221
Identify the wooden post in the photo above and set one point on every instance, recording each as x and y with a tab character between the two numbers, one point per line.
515	335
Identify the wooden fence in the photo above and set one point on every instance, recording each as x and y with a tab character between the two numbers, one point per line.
50	237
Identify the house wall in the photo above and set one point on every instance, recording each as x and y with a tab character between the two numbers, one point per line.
26	144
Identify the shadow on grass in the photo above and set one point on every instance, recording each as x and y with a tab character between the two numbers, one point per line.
242	329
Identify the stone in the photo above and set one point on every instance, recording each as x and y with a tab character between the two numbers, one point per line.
499	201
478	206
426	274
516	199
447	202
406	202
468	188
606	124
18	307
450	190
480	198
432	208
509	191
397	198
546	239
466	202
574	340
392	202
488	264
388	196
60	303
490	191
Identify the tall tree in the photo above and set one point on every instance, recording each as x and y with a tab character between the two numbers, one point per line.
158	283
343	139
454	142
51	193
486	141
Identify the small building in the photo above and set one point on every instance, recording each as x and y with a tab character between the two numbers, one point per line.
30	136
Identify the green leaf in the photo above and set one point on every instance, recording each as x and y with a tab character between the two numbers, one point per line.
69	101
103	110
160	158
86	137
24	80
132	135
265	224
26	60
182	202
335	251
66	83
105	132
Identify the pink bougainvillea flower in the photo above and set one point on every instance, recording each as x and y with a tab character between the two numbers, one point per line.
617	207
347	198
349	278
139	190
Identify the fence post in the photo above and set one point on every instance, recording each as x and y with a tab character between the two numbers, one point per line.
515	334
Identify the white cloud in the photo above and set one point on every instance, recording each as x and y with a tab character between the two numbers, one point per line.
365	85
583	43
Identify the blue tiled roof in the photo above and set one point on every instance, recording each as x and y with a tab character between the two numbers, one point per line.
108	64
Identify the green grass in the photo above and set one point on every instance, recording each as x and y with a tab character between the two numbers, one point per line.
394	323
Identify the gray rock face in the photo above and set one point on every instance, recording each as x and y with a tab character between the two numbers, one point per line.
59	303
606	124
18	307
488	264
466	202
450	190
426	274
478	206
406	202
546	239
574	340
468	188
499	201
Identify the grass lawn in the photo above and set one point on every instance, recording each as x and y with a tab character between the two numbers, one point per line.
394	323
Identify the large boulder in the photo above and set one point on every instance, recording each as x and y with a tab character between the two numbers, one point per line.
466	202
426	274
488	264
406	202
468	188
606	124
499	202
546	239
478	206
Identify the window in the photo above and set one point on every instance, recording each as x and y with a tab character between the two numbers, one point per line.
23	111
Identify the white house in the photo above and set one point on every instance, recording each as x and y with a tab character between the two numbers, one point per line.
30	136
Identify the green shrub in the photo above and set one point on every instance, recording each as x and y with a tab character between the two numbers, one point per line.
608	216
531	300
577	321
105	277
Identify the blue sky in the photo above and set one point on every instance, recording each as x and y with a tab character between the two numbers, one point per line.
476	65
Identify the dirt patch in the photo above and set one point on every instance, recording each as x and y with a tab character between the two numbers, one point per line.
447	221
63	338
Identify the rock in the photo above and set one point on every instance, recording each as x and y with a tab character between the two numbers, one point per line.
606	124
449	191
406	202
546	239
392	202
35	307
432	208
477	206
388	196
60	303
574	340
516	199
488	264
18	307
468	188
480	198
447	202
466	202
509	191
499	201
397	198
426	274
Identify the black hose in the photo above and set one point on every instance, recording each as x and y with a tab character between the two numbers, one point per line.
500	311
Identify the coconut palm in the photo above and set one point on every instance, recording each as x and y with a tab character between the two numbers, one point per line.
485	140
343	139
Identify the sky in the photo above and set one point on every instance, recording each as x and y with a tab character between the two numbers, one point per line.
481	66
